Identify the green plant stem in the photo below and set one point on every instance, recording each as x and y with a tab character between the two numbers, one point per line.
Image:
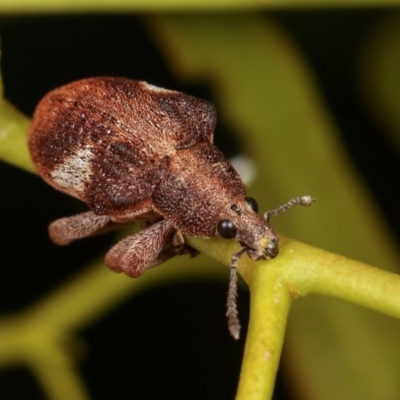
13	128
68	384
334	275
300	270
306	270
271	300
43	336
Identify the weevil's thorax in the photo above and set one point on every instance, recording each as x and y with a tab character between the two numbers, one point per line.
194	192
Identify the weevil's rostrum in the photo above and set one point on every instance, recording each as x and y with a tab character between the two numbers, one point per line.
135	152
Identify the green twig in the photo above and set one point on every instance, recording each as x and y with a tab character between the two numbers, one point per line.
300	270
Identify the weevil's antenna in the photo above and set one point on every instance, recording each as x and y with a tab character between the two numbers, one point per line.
231	303
302	200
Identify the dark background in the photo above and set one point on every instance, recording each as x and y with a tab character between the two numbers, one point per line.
134	351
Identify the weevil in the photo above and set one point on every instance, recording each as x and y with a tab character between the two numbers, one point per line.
135	152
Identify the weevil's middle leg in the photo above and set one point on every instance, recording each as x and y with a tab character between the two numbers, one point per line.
143	250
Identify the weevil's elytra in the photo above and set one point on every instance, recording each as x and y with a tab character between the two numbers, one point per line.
135	152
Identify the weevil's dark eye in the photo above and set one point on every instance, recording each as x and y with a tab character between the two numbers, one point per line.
226	229
252	203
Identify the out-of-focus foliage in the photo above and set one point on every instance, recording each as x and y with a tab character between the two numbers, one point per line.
266	90
380	78
15	6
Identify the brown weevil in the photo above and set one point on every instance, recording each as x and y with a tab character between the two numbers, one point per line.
135	152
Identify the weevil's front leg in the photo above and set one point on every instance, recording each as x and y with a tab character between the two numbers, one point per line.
63	231
143	250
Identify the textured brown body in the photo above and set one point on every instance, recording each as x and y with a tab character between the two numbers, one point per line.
135	152
129	152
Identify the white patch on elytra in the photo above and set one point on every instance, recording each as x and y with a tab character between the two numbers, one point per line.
156	88
75	171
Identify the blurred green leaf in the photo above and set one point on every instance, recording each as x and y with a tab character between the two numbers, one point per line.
379	83
18	6
265	90
13	129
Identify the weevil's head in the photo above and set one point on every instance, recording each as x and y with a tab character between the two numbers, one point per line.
240	221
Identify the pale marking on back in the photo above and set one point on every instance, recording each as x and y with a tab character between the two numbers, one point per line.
156	88
75	171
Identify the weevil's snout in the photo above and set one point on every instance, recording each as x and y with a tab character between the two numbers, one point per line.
265	246
241	221
271	250
269	241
